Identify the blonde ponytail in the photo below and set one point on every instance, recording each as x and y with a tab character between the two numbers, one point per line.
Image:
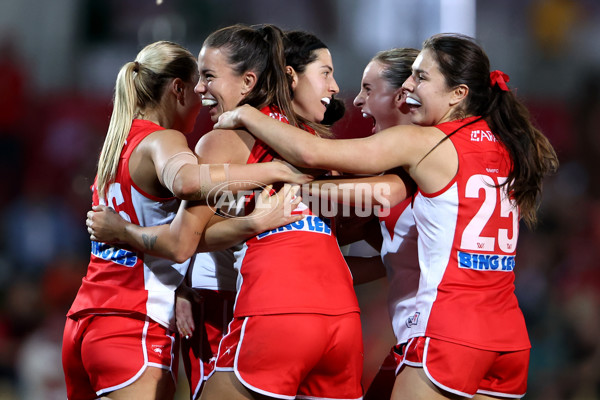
124	110
140	84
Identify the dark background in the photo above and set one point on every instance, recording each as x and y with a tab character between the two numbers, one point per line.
58	63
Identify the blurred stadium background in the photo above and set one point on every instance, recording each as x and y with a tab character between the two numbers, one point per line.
58	63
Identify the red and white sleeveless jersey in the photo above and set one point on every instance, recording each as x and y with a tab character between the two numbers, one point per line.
400	257
468	235
297	268
122	281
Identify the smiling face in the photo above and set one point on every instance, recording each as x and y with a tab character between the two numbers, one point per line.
220	86
314	87
379	100
430	100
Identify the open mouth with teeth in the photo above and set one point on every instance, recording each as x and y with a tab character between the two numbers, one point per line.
209	102
325	101
412	102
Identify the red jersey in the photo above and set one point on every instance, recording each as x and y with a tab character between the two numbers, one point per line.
467	239
297	268
122	281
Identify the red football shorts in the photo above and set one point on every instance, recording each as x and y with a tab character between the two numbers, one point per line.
211	317
287	355
465	370
103	353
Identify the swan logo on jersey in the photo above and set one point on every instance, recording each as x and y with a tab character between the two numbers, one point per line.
310	223
114	254
413	320
486	262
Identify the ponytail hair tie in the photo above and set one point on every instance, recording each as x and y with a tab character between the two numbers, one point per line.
262	31
136	66
499	78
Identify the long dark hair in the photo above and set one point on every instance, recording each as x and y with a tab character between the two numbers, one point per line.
300	50
257	48
462	61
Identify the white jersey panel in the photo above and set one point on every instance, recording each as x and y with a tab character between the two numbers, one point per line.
213	271
239	259
161	276
436	221
400	256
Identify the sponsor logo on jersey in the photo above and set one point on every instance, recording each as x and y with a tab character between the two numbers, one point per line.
479	135
114	254
486	262
413	320
310	223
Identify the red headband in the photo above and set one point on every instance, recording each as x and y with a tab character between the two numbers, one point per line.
499	78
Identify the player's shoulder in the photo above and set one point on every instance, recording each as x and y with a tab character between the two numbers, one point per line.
161	138
225	144
165	136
